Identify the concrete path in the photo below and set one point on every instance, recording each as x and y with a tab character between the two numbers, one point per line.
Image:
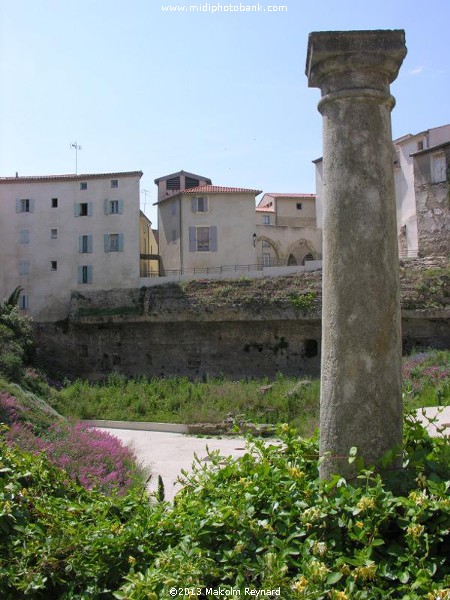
166	454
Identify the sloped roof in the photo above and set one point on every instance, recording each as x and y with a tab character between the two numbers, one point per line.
69	177
217	189
186	173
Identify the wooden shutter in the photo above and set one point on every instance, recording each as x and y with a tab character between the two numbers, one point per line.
120	243
120	207
192	239
194	204
213	239
106	242
89	209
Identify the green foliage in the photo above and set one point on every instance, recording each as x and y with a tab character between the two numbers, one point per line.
15	338
263	521
303	302
182	401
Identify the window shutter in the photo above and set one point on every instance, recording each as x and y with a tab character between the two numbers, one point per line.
80	274
31	205
76	209
89	274
18	205
120	244
213	238
107	207
89	243
205	203
192	239
194	204
89	209
120	207
80	244
106	242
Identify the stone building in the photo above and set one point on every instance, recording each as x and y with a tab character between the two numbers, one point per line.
63	233
286	229
206	226
421	176
421	188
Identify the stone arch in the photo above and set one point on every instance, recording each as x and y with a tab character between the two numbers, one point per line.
300	251
274	245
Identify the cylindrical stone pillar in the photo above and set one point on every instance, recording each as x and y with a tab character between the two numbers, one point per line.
361	402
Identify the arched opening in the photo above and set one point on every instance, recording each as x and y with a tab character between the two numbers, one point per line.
307	257
292	260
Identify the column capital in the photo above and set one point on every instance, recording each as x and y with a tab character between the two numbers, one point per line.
346	60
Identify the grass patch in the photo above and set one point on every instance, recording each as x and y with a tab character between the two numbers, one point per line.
285	400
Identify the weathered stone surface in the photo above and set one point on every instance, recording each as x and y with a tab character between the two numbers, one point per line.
361	334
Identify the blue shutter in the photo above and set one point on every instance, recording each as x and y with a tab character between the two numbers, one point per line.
106	242
194	204
192	239
89	209
80	244
76	209
18	205
89	243
107	207
89	274
80	274
120	207
213	238
120	248
31	205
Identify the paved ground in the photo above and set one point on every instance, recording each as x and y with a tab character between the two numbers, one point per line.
166	454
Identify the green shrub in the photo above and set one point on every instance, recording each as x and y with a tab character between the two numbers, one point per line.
263	521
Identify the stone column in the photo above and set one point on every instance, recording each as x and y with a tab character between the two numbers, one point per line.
361	402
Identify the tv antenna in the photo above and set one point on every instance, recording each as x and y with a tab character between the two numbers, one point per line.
76	147
145	192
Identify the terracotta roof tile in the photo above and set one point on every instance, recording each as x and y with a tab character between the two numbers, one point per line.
213	189
69	177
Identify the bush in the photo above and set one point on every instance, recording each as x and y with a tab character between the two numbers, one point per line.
94	458
263	521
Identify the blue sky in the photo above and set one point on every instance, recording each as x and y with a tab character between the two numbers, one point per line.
221	94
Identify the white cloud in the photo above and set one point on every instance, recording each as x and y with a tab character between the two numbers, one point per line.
417	70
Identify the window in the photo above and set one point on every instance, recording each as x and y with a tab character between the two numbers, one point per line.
113	242
266	259
24	205
54	202
174	236
23	302
83	209
85	274
190	182
84	244
266	219
114	183
53	265
419	146
299	206
83	185
24	236
203	239
24	267
53	234
173	183
200	204
174	209
438	167
113	207
311	348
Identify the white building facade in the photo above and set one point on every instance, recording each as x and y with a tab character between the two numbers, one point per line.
67	233
207	227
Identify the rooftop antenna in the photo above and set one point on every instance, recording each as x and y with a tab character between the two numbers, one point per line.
76	147
145	192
